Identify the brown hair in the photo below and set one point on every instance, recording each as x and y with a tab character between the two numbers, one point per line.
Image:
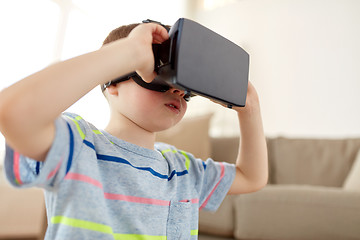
120	32
116	34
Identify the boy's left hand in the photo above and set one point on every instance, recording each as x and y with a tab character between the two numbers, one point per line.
252	100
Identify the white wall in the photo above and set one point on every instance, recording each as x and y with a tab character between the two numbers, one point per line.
37	33
305	62
305	56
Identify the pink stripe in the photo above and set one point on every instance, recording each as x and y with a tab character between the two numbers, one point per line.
53	172
121	197
221	177
112	196
126	198
17	168
84	178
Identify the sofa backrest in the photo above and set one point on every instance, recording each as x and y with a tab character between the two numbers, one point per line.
323	162
224	149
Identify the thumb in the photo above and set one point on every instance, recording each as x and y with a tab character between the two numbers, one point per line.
148	78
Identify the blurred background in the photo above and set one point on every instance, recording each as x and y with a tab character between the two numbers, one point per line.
305	55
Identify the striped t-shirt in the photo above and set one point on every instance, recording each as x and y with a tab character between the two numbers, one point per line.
100	187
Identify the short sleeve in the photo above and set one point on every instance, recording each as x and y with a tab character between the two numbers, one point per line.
214	180
22	171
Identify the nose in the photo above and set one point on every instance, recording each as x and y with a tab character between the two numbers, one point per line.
181	93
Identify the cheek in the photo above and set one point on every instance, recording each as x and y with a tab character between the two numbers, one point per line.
184	106
147	109
147	101
145	105
136	96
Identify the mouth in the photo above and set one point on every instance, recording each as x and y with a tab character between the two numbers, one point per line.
174	106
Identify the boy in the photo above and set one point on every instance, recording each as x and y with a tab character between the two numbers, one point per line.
117	183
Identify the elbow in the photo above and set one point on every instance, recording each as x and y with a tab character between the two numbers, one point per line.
263	177
248	184
3	112
255	186
8	113
260	184
262	181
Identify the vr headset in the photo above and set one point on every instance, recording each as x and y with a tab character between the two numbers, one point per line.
200	62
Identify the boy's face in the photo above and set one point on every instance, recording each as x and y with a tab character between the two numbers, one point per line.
150	110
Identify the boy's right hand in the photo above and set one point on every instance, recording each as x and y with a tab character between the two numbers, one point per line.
142	37
29	108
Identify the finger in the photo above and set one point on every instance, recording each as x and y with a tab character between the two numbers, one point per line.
157	41
148	78
159	33
217	102
159	38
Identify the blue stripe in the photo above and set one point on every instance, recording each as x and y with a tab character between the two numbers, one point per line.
89	144
204	165
71	150
37	168
173	173
148	169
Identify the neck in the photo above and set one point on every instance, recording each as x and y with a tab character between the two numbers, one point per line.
125	129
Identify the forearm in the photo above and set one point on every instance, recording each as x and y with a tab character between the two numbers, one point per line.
29	107
252	159
52	90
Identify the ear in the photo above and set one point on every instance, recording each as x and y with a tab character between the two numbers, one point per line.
112	90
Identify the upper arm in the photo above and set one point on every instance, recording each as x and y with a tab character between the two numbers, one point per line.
28	135
214	181
241	184
34	146
23	171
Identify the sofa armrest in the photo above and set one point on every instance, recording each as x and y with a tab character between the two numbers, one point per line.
298	212
221	222
22	213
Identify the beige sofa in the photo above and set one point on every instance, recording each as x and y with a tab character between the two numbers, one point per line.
22	212
313	191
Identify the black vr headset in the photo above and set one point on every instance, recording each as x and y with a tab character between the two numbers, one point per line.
199	62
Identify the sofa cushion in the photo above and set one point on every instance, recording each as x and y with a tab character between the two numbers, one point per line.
352	182
191	135
285	212
324	162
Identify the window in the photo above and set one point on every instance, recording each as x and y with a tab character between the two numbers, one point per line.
39	32
28	34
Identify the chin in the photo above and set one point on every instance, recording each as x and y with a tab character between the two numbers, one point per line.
162	127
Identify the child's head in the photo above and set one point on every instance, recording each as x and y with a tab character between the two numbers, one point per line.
116	34
151	110
120	32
